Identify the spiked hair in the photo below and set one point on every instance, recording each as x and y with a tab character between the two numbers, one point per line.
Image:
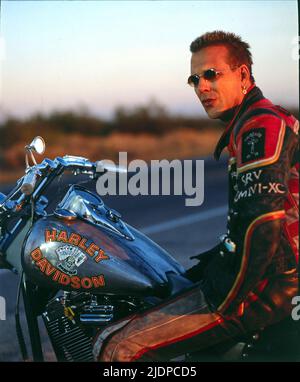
238	50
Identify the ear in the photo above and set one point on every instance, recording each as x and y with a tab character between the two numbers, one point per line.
245	74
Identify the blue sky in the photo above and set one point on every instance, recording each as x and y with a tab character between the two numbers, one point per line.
100	54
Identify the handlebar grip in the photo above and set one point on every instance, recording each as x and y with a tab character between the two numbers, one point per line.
29	182
102	167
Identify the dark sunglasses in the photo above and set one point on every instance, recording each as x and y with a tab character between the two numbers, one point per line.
209	75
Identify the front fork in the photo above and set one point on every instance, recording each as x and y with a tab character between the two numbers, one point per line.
30	300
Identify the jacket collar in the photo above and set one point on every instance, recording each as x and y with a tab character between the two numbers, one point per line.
254	95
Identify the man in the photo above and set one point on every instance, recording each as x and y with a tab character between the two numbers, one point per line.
246	282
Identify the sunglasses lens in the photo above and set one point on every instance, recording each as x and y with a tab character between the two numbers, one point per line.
210	74
193	80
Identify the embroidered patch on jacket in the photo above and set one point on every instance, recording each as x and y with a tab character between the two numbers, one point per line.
253	144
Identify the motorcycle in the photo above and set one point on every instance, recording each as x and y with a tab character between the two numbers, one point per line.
81	267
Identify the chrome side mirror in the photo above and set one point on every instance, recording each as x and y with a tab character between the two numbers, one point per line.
38	145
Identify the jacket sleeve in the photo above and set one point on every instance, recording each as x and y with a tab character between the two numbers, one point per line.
264	150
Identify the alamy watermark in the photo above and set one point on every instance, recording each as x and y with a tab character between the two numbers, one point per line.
296	310
2	309
159	177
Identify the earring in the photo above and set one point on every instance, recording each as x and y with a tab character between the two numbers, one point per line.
244	91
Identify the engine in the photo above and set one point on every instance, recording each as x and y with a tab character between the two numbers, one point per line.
73	319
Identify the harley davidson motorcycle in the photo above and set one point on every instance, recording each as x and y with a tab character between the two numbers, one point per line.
81	266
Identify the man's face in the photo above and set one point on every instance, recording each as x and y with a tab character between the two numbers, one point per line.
225	91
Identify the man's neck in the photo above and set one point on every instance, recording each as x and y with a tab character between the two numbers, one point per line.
227	115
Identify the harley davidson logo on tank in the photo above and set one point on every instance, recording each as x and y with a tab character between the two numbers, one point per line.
62	262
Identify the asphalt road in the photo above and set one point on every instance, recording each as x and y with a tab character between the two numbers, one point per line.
183	231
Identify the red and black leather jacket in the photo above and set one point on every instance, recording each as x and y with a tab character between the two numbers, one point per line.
263	217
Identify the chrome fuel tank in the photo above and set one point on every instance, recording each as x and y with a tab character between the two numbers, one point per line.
82	256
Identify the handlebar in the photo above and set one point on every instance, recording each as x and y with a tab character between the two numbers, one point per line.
49	169
102	167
